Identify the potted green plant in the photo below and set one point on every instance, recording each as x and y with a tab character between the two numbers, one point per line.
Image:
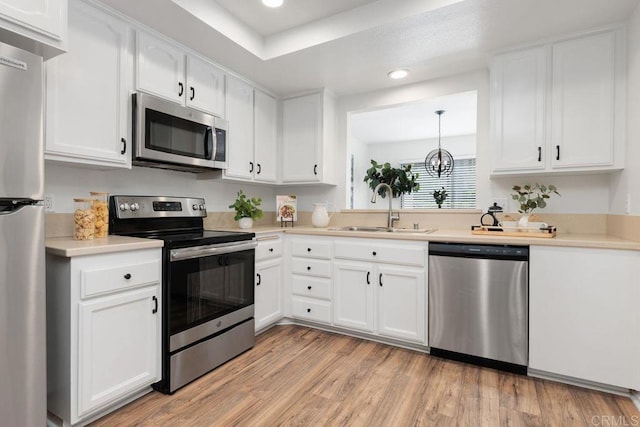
247	210
401	180
531	197
440	196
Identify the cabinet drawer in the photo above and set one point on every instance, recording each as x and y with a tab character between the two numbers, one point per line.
269	248
311	287
105	280
311	267
312	249
405	254
310	309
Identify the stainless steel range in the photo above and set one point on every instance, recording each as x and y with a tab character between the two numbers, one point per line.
208	283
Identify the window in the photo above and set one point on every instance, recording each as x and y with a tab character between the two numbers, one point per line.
460	186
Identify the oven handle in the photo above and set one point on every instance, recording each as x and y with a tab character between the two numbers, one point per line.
209	250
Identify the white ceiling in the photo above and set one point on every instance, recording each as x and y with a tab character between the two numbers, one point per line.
267	21
350	51
417	120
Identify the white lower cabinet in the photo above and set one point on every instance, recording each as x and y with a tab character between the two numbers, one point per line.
268	305
386	297
103	331
584	317
268	285
118	337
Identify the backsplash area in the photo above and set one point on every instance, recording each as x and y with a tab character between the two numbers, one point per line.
620	226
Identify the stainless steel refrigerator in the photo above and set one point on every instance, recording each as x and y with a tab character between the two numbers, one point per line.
23	399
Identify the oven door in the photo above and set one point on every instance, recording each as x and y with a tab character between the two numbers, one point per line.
209	289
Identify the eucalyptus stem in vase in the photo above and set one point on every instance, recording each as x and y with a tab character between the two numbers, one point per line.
532	197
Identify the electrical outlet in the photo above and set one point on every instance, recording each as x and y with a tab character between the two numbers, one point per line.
628	209
49	203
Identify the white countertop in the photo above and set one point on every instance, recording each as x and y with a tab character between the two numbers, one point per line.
67	247
601	241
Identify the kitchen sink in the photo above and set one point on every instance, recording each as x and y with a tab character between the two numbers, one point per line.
370	229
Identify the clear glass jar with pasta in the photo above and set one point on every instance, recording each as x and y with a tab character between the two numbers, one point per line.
83	219
101	211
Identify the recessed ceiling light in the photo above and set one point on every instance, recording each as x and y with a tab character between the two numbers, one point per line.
272	3
398	74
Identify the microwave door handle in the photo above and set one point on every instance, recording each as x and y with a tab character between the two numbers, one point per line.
209	143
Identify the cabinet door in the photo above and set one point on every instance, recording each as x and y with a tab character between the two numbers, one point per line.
401	302
119	346
266	147
205	86
518	85
302	138
583	311
583	101
268	305
45	17
353	295
239	101
161	68
87	105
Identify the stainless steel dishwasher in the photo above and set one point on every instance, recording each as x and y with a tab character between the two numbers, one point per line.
479	304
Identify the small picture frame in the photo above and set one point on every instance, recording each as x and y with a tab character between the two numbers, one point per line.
286	208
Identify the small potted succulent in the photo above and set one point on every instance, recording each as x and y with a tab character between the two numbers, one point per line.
531	197
440	196
247	210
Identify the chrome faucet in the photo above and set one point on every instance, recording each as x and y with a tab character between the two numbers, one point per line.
392	217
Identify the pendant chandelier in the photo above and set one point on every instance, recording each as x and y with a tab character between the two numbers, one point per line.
439	162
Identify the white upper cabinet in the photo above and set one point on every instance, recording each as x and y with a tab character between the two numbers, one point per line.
583	102
307	138
87	92
42	21
205	86
166	70
560	107
518	121
239	102
161	68
266	140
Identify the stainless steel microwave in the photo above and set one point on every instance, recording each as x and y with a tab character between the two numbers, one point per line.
170	136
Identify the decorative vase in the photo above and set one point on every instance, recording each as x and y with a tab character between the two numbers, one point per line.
320	217
524	220
245	223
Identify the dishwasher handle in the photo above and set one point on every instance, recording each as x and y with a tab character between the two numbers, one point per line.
461	250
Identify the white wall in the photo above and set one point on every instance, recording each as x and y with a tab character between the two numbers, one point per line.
66	183
625	186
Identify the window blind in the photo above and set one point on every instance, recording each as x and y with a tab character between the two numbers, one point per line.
460	186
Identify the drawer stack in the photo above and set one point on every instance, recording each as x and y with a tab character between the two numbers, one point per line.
311	280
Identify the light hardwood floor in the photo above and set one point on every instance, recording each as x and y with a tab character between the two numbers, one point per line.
300	376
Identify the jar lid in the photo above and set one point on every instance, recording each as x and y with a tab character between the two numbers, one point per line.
98	193
82	200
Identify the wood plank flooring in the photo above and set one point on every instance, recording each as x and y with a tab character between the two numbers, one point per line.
306	377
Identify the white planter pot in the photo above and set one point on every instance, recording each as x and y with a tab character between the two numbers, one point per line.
245	223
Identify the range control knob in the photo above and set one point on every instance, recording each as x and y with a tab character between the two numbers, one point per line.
201	207
124	207
134	207
195	207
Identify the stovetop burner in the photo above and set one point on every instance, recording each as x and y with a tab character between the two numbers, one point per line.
176	220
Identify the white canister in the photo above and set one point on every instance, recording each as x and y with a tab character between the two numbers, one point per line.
245	223
320	217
